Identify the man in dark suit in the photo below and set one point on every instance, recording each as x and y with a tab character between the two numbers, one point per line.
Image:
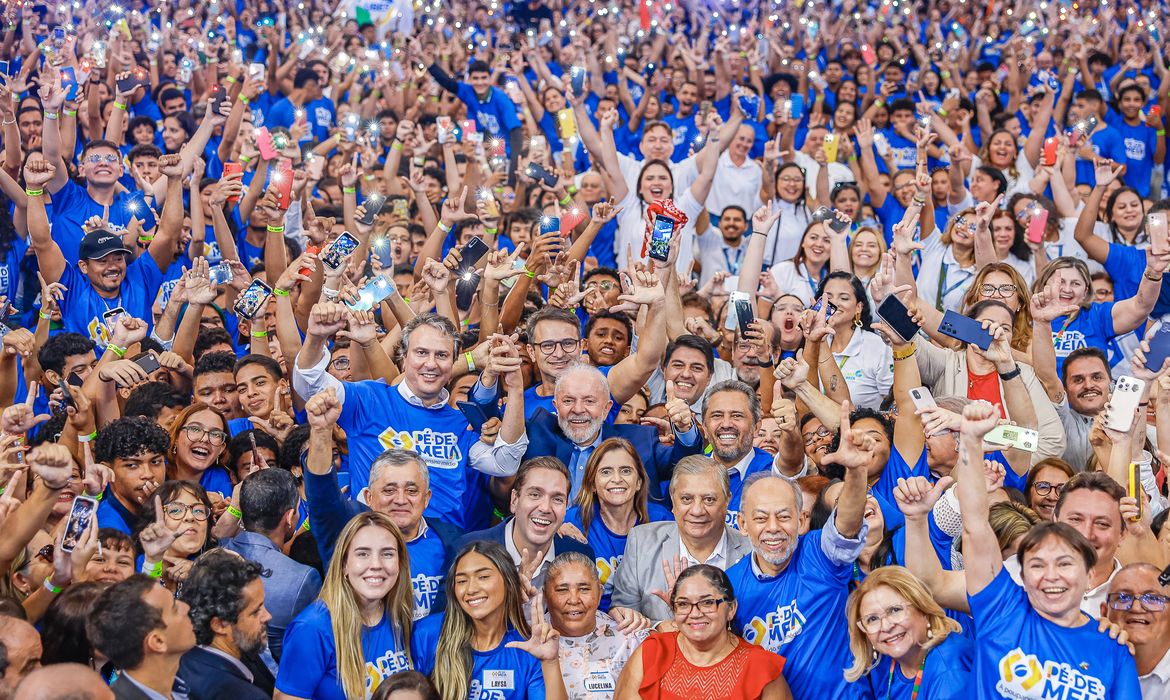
582	401
226	596
144	631
540	495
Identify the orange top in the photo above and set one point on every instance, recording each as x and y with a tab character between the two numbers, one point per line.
742	675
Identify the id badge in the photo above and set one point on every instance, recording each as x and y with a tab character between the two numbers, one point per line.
499	680
600	682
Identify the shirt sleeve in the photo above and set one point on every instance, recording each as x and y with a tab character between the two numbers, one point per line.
501	459
838	548
303	658
308	382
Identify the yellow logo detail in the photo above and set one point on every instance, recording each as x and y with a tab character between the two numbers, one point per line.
1020	669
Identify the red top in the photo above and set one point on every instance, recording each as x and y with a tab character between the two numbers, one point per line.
742	675
987	388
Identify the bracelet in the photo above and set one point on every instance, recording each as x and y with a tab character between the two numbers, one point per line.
572	190
371	178
152	570
944	74
529	273
1150	277
942	113
275	229
396	146
35	193
905	354
51	588
259	334
349	190
444	227
119	105
71	112
491	231
8	123
119	351
245	100
470	361
280	292
54	115
44	315
230	80
879	103
566	201
1160	132
87	438
235	512
145	238
328	293
1007	377
769	300
245	160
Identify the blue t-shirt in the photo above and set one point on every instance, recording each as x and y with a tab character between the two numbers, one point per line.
72	207
215	479
946	675
496	115
498	674
883	490
82	308
608	546
376	417
1106	143
1139	142
1091	327
761	462
799	614
1020	654
428	567
308	662
1125	266
111	513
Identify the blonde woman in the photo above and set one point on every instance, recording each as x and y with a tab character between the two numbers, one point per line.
902	641
483	645
358	632
866	250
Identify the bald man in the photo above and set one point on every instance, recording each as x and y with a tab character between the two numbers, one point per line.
63	682
22	645
1137	602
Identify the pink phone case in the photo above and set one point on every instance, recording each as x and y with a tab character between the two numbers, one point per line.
1037	224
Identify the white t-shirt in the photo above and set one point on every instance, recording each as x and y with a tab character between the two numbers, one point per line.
838	172
683	172
715	255
867	364
735	184
1019	183
631	229
784	238
939	271
796	281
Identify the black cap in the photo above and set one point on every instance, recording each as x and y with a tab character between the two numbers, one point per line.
100	243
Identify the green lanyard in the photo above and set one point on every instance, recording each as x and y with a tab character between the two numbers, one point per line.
917	679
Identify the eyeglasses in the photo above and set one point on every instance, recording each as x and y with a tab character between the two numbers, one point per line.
178	511
791	178
341	363
604	285
1044	488
896	614
1153	602
195	432
682	608
548	347
821	433
1002	291
98	158
905	186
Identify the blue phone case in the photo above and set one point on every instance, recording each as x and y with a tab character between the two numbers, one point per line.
968	330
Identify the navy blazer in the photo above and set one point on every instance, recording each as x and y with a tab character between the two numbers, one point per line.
209	676
496	534
545	438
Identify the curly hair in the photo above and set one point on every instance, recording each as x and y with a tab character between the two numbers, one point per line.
129	437
215	589
58	348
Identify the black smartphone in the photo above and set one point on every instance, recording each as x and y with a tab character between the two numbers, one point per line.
743	310
474	414
81	513
465	288
968	330
536	171
75	379
577	80
1159	348
660	237
345	244
252	299
66	397
471	253
134	79
894	314
373	205
220	95
148	362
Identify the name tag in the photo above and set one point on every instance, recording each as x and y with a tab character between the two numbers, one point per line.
499	680
600	682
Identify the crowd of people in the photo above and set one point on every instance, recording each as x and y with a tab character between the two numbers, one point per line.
577	350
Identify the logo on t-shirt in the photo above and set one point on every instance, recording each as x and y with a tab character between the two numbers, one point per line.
606	567
478	692
385	666
777	628
1068	341
425	587
1135	149
440	450
1023	676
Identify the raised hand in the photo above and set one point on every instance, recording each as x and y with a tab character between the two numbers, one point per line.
53	463
543	641
678	410
19	418
792	372
1105	172
1045	305
856	448
323	410
916	496
38	173
157	538
647	290
765	217
436	276
784	413
326	319
671	568
979	418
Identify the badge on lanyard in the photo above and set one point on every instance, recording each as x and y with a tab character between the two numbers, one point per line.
499	680
600	682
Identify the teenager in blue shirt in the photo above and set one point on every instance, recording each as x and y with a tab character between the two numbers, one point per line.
1033	637
358	633
1105	141
904	645
134	448
483	646
491	108
1143	146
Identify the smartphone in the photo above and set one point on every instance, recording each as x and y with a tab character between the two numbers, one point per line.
1157	231
137	77
335	253
550	224
350	126
1123	402
968	330
536	171
894	314
472	253
705	108
148	362
257	71
465	287
253	299
137	207
445	129
868	55
219	96
69	82
566	124
1050	146
283	179
831	145
490	206
660	235
265	144
372	293
1134	487
474	414
111	317
233	168
373	205
577	80
831	310
59	37
1037	223
468	131
744	315
922	398
66	397
1159	348
220	274
1013	436
81	514
6	69
796	107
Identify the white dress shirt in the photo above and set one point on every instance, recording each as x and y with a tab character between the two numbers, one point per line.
1156	683
718	557
735	184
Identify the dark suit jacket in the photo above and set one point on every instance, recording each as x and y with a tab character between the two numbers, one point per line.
496	534
209	676
545	438
124	689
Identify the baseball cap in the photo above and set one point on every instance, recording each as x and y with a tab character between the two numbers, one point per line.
100	243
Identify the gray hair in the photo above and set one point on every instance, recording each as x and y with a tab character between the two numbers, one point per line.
756	478
954	404
741	387
700	465
439	323
566	559
395	457
582	370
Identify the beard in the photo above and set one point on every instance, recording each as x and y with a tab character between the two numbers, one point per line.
580	434
250	646
782	557
733	453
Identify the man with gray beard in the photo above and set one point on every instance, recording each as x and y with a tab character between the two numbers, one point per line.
792	589
582	401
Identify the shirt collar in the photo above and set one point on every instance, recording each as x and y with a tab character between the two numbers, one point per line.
411	398
510	545
950	260
233	660
718	556
742	465
1162	670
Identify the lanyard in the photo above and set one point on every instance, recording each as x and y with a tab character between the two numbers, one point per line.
1067	322
917	679
812	284
733	267
942	282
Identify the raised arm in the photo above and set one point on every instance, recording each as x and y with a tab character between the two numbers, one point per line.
1095	246
1130	313
982	557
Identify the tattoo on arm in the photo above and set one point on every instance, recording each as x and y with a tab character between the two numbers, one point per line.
833	383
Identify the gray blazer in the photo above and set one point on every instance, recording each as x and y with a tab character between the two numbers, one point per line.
640	570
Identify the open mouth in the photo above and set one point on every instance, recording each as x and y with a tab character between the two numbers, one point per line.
200	451
1089	394
374	581
894	639
475	601
727	437
657	192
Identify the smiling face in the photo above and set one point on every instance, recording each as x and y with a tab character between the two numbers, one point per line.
539	506
430	362
841	294
1050	481
371	563
101	166
815	246
1145	627
573	594
700	506
608	342
1087	385
106	273
656	183
110	565
1054	577
557	334
479	586
1003	233
900	626
1001	151
687	368
657	144
768	435
259	390
790	184
400	492
186	514
771	519
729	425
1071	286
617	481
701	628
1128	211
1097	516
785	315
865	251
203	451
582	407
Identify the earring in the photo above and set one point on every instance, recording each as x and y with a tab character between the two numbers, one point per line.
857	321
875	656
929	632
